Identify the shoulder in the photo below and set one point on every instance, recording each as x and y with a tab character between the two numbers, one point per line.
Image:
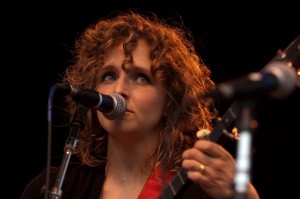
76	173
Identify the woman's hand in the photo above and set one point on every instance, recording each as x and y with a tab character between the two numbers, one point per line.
213	168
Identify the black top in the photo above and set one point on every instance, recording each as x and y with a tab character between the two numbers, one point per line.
84	182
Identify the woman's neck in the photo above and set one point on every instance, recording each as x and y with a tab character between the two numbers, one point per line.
132	154
130	163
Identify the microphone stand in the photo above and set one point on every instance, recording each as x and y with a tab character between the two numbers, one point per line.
77	124
247	124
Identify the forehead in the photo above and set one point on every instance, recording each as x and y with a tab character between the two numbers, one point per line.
140	55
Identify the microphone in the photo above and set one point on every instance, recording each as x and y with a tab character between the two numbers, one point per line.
277	79
112	107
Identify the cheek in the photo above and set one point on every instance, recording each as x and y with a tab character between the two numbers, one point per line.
152	103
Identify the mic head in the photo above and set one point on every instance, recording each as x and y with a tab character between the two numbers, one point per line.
278	79
112	106
286	77
119	107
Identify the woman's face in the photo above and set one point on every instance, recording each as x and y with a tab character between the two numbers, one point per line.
145	96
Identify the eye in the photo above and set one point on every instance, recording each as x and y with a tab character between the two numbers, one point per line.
108	77
142	78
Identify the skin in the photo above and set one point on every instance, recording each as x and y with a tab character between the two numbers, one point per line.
219	172
144	95
134	136
158	124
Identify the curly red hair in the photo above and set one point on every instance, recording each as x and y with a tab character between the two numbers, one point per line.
174	62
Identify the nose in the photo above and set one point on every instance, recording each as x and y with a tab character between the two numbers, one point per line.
122	86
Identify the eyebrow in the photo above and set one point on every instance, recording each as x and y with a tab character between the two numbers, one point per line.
104	67
127	68
139	68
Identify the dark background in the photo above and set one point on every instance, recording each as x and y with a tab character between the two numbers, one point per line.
232	39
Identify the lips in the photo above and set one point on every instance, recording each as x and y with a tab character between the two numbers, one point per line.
129	111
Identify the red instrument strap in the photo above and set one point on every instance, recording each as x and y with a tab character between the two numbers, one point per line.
155	183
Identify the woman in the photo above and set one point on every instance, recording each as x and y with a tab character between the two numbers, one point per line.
155	68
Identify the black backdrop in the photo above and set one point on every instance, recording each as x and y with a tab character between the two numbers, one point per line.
233	40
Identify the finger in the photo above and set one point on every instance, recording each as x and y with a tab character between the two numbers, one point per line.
194	166
207	178
196	154
212	149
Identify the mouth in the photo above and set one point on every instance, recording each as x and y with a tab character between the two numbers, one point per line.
129	111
